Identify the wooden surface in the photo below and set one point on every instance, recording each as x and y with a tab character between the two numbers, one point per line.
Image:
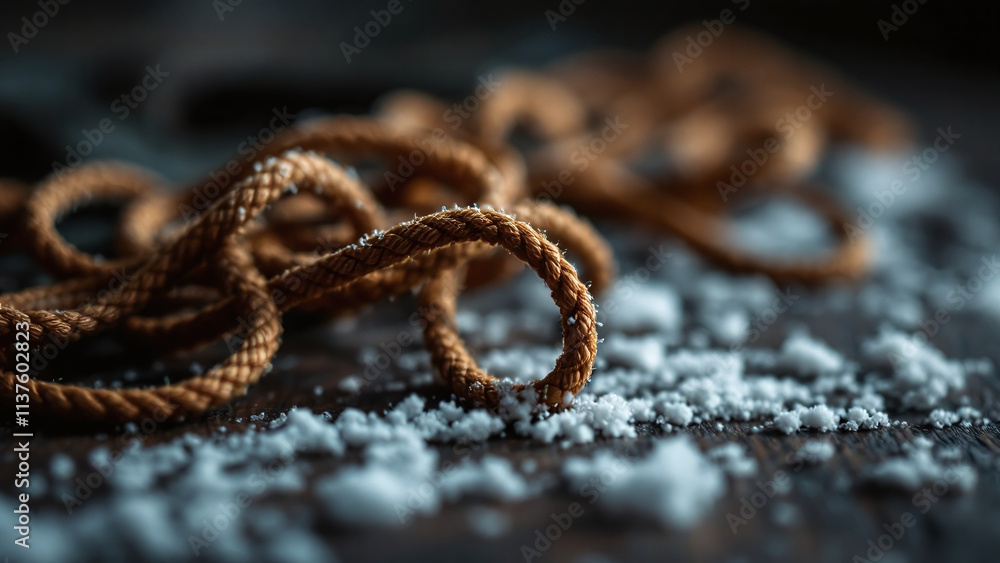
828	515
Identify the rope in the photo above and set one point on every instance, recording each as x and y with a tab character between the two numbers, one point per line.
214	249
455	206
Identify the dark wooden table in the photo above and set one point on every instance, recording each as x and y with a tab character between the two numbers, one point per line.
829	514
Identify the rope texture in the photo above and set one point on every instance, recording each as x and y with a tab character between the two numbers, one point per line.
301	229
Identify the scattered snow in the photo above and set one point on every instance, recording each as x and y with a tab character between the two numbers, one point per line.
788	422
643	307
820	417
645	353
491	478
350	384
675	485
685	345
917	468
734	460
808	356
63	467
921	375
487	522
816	451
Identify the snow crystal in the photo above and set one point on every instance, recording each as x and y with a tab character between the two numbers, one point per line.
917	468
820	417
487	522
922	376
677	413
816	451
939	418
788	422
675	485
859	418
808	356
645	353
734	460
62	466
644	307
785	514
492	478
608	416
350	384
293	545
731	325
372	496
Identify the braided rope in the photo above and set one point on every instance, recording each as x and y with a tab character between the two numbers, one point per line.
387	263
298	230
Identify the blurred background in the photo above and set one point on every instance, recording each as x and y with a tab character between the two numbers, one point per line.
229	63
214	74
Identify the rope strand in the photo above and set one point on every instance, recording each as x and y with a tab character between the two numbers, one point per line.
617	135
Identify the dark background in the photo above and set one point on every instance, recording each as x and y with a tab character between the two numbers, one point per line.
226	76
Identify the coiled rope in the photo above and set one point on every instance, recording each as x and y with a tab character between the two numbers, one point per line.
302	230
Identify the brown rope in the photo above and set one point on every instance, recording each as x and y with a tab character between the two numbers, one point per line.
701	118
388	263
60	195
12	196
455	206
